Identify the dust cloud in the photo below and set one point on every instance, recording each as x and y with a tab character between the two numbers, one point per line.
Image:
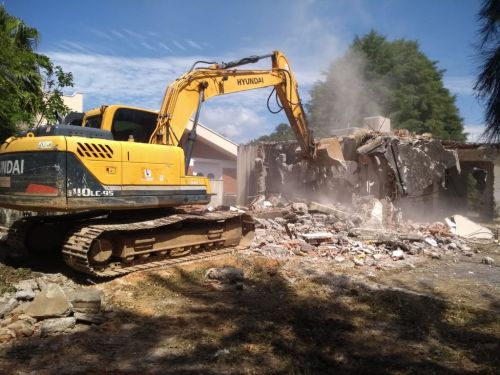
345	97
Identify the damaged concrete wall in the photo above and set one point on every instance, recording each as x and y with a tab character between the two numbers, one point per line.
473	190
415	172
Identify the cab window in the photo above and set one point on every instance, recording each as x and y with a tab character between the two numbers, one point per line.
93	122
131	122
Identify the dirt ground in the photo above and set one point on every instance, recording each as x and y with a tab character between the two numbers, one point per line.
435	317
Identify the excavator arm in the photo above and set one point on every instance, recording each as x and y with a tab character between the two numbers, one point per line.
185	96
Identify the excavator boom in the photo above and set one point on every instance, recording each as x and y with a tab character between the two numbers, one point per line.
183	97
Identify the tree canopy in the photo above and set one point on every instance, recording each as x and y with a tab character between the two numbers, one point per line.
282	132
488	82
387	78
30	85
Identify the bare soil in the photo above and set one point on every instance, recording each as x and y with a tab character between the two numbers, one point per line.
288	318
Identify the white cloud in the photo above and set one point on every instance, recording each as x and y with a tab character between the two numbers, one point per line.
238	122
165	47
142	82
474	132
117	33
178	45
193	44
101	34
69	45
311	45
133	33
148	46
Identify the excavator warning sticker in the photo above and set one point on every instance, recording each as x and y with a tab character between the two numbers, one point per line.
5	181
45	145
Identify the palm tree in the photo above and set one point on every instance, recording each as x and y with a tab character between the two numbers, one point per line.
19	63
487	85
19	33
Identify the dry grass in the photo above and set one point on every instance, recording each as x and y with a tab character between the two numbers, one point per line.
173	321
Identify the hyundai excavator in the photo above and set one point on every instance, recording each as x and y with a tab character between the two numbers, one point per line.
118	182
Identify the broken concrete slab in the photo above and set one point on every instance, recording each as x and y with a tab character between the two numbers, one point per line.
30	284
299	208
86	300
6	335
488	260
463	227
398	254
317	238
25	295
315	206
22	327
89	318
8	306
49	303
57	326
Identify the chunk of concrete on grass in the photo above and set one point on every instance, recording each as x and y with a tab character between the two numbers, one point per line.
86	300
57	326
51	302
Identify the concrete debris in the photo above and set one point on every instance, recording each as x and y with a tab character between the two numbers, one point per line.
368	233
89	318
300	208
7	306
358	262
25	295
406	168
49	303
57	326
86	300
431	241
415	163
27	285
487	260
235	209
221	353
225	274
463	227
54	309
398	254
24	326
317	237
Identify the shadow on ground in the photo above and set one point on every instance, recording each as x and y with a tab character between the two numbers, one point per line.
271	326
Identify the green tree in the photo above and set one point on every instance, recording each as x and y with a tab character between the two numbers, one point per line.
388	78
488	82
282	132
30	85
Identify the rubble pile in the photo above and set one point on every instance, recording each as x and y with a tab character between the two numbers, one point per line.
406	167
371	233
42	307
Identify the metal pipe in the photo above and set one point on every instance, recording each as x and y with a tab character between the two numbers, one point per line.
192	134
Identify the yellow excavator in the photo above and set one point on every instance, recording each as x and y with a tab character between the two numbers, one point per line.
121	178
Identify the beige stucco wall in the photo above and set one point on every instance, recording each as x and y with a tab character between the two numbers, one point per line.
74	102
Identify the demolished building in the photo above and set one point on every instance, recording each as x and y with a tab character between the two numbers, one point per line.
426	178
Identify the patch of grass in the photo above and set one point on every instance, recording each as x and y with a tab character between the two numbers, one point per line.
10	275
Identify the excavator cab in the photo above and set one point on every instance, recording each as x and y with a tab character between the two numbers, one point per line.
125	123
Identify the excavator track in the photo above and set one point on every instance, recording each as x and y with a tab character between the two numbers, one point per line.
80	239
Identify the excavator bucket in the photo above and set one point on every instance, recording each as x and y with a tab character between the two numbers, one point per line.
330	149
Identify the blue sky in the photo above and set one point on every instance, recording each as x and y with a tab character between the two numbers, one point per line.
129	51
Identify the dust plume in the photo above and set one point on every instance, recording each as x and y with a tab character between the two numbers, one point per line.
345	97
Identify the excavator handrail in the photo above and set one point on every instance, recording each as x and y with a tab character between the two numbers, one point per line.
182	97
